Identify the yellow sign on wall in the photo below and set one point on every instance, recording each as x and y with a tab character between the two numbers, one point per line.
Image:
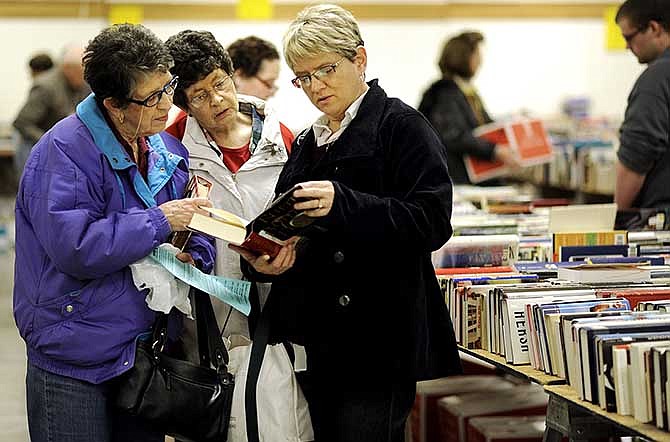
613	39
254	9
125	14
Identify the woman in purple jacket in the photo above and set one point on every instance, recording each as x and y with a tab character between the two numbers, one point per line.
99	192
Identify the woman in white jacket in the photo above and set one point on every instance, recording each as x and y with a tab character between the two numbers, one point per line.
234	141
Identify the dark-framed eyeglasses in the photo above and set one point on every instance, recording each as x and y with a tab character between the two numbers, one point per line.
268	84
220	87
632	35
155	98
319	74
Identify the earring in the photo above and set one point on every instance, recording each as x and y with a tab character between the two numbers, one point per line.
121	117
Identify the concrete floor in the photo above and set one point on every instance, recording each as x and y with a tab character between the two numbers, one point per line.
13	361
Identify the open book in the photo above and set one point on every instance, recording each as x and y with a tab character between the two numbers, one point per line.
265	234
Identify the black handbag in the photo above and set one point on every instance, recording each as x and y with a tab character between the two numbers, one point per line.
182	399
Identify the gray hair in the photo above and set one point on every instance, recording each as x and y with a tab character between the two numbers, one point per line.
321	28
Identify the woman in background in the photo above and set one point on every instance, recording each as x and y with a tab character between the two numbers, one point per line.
454	107
100	191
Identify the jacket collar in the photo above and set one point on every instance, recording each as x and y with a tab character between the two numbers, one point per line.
162	163
360	137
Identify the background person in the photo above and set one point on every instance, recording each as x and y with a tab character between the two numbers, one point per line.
53	95
256	63
99	193
643	167
362	295
454	108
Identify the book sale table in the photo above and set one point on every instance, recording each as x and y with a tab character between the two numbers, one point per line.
567	415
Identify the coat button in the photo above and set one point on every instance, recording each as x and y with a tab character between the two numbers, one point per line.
69	309
338	257
344	300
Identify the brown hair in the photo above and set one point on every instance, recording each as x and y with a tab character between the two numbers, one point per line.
456	54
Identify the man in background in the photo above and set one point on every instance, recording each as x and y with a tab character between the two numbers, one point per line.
53	96
643	168
256	63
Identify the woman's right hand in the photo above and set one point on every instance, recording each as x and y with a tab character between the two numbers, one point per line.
269	266
180	212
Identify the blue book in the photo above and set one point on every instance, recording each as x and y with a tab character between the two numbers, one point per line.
579	253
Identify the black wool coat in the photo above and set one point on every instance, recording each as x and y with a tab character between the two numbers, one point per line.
449	112
362	296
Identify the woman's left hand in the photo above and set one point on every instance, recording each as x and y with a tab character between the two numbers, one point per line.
319	197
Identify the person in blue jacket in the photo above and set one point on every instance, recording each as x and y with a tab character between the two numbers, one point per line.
100	191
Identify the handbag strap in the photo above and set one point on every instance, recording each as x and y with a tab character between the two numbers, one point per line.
261	337
210	345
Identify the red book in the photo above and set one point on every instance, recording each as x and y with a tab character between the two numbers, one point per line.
474	270
528	140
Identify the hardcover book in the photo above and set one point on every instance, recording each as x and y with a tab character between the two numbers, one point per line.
265	234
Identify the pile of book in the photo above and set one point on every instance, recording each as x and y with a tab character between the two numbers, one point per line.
460	409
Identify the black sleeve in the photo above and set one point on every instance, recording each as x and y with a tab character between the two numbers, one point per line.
450	121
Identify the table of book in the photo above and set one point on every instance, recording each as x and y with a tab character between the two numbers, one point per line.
567	414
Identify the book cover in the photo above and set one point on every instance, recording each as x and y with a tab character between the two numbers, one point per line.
265	234
197	187
506	428
526	138
601	238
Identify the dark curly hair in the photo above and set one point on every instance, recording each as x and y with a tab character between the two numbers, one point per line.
456	54
117	58
248	54
196	54
641	12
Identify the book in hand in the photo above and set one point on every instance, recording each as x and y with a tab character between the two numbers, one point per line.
528	140
265	234
197	187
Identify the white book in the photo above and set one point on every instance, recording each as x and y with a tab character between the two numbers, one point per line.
622	379
515	320
641	404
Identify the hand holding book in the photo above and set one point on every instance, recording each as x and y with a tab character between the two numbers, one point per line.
268	233
266	265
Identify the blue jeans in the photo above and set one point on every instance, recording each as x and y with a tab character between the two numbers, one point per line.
62	409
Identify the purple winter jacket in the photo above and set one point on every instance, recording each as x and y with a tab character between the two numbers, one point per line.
83	214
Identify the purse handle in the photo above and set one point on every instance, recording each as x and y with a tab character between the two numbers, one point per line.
210	344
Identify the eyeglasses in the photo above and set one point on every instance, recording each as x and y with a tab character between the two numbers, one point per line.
268	84
319	74
155	98
630	37
220	87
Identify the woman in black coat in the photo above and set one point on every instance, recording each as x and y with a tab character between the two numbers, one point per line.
454	107
362	295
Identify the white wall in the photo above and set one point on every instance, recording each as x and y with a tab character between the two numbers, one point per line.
528	64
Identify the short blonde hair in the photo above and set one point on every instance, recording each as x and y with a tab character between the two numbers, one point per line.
321	28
